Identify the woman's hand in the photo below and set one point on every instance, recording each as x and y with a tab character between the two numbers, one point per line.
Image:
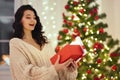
64	65
72	67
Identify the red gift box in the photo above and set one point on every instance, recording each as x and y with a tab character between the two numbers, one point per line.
75	50
69	51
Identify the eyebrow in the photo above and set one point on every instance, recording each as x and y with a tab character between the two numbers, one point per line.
30	15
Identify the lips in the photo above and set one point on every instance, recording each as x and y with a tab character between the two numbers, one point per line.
31	24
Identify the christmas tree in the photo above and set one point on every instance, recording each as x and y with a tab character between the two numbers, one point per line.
102	60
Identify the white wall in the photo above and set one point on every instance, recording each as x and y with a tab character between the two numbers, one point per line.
111	8
18	3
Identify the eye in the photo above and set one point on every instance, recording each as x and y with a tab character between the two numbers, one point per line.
28	17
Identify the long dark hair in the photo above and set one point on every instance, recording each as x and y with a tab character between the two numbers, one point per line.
37	33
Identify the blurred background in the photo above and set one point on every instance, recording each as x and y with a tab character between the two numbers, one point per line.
50	12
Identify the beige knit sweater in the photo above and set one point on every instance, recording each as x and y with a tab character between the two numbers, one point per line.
29	63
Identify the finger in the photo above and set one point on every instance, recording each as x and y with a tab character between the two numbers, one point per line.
68	62
75	65
58	59
71	68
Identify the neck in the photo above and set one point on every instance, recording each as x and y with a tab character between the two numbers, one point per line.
27	35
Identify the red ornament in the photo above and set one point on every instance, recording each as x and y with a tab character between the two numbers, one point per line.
96	78
67	6
95	10
88	1
59	37
99	61
57	48
82	11
102	76
101	30
65	31
73	36
114	54
75	3
65	21
98	45
96	17
91	13
89	71
73	17
70	23
114	67
76	30
78	34
85	29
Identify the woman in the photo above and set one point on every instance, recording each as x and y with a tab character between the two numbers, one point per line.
30	51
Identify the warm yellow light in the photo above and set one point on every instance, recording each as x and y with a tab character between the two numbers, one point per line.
92	55
45	17
110	59
52	17
97	32
43	13
46	8
83	76
91	37
67	38
69	18
102	50
86	33
96	70
54	3
91	50
80	13
75	8
104	60
87	26
90	66
85	15
84	60
53	26
44	3
98	65
88	23
78	8
79	5
96	39
106	47
83	4
51	9
71	2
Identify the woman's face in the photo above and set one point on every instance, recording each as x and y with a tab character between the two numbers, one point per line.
28	20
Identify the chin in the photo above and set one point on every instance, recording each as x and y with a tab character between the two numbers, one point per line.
32	28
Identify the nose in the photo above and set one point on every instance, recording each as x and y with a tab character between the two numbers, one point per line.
33	20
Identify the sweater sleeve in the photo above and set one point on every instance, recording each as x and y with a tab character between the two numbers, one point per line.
67	75
71	75
22	69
